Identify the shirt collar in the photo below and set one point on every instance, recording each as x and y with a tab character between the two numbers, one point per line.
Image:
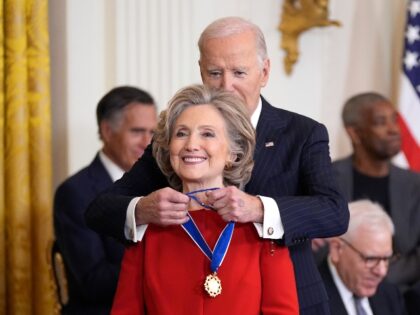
113	169
346	294
256	114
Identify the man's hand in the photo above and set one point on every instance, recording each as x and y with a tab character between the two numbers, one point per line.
234	205
165	206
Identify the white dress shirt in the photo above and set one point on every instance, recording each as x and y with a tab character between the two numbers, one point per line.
272	227
114	171
346	294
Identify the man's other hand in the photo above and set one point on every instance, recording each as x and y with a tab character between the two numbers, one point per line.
165	206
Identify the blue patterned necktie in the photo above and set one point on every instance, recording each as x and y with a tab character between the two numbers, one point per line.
358	305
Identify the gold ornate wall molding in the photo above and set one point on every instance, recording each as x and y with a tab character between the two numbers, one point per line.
297	17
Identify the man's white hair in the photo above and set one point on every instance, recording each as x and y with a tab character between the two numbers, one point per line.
369	215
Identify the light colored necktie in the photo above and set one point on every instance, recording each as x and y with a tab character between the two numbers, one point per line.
358	305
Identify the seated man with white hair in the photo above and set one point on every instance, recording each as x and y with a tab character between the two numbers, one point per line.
358	262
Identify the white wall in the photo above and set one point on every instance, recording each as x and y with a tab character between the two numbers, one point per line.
98	44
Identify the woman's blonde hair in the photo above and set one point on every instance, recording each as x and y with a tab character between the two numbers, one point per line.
240	133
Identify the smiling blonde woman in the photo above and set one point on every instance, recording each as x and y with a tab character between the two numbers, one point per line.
204	141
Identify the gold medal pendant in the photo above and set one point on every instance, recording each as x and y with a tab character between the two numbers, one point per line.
213	285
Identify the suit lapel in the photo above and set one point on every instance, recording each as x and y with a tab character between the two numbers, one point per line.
399	198
266	128
269	130
336	303
346	178
99	175
396	193
379	306
395	199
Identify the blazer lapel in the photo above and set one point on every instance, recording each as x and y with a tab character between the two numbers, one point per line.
345	178
336	303
269	129
378	306
395	191
101	180
400	198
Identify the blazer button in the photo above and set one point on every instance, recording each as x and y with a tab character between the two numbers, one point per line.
270	231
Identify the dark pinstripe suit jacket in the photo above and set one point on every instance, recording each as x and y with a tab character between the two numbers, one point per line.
296	171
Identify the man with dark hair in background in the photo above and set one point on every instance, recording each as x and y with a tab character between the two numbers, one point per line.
126	118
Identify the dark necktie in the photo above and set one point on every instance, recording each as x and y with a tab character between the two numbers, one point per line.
358	305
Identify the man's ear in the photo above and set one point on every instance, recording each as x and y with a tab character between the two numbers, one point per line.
265	72
201	70
105	131
353	134
335	249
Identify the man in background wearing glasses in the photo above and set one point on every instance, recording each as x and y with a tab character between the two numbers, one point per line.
357	264
371	122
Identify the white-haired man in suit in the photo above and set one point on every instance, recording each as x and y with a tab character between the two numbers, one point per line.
357	264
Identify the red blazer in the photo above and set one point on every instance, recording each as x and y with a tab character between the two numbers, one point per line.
165	273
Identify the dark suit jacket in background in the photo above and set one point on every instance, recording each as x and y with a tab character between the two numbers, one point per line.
296	171
404	194
412	299
386	301
92	261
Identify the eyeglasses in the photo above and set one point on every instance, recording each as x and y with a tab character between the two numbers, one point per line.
371	261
